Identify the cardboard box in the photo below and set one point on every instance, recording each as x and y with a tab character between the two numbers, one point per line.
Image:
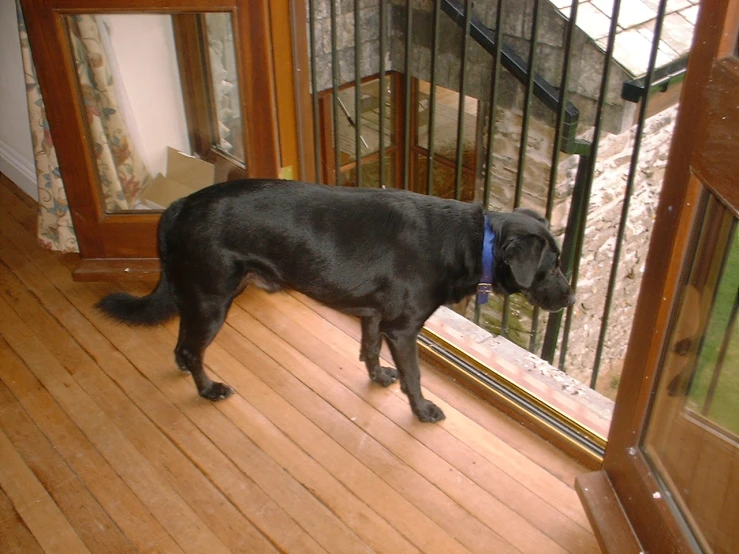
185	175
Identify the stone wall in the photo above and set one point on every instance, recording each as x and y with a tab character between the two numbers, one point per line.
604	213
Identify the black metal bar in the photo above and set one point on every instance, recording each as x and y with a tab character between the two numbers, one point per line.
383	91
578	240
357	94
663	78
721	356
432	103
561	111
497	50
462	97
298	79
408	79
569	249
627	194
491	121
558	131
314	90
335	94
523	143
591	166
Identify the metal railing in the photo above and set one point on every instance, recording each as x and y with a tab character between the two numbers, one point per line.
553	96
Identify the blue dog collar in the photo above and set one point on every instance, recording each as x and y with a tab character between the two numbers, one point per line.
485	288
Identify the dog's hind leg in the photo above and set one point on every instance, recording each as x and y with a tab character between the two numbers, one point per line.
370	352
200	321
405	353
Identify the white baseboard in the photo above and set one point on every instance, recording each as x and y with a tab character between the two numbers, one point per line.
19	170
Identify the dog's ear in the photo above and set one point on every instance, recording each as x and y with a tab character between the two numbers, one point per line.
532	214
523	255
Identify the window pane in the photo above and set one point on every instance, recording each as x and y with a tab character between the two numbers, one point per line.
447	120
692	438
370	119
225	84
714	391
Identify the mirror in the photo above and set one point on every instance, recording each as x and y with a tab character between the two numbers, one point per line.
161	99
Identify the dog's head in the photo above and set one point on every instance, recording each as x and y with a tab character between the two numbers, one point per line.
527	261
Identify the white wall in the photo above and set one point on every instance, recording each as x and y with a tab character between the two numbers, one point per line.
145	53
16	150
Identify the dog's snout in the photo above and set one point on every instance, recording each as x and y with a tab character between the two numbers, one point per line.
571	299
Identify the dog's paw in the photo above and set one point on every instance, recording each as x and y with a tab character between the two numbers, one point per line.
428	412
217	391
385	377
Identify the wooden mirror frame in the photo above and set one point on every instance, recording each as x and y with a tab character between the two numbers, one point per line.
111	242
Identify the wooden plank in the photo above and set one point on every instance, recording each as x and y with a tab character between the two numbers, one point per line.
612	528
490	510
345	430
167	506
15	537
459	457
242	491
144	350
170	463
543	454
291	414
83	512
137	523
42	516
317	433
312	514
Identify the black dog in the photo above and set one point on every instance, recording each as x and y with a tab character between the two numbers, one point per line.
390	257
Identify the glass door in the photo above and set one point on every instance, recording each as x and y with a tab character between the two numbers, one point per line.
692	435
670	477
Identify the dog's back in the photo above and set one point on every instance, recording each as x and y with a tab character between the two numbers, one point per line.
349	248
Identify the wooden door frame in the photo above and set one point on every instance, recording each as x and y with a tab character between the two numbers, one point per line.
111	242
620	499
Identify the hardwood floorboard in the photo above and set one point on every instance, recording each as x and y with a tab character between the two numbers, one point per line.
109	448
33	503
169	462
508	460
247	455
79	506
502	427
15	537
336	357
129	513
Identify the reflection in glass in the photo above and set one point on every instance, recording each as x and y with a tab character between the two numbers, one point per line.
122	172
138	124
224	78
370	119
693	434
444	179
446	123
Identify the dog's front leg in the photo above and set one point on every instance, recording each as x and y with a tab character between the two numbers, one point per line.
405	354
370	352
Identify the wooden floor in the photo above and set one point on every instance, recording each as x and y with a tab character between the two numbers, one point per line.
105	447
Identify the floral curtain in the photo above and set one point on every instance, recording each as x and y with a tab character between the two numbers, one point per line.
122	174
55	228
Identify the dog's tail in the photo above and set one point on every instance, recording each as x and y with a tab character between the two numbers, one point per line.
157	307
